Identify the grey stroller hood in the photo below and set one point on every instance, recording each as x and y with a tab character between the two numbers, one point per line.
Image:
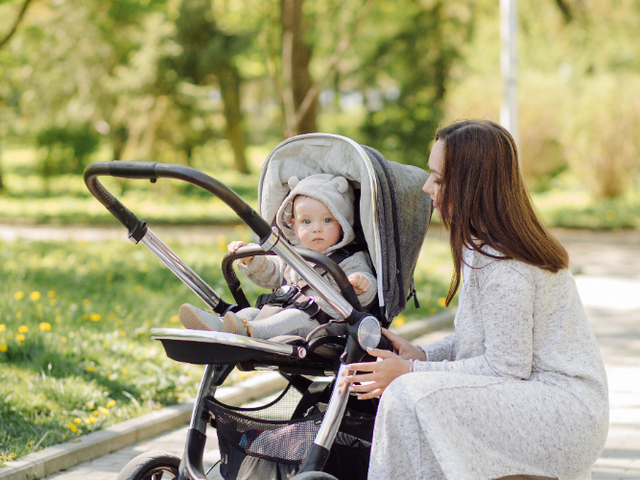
394	211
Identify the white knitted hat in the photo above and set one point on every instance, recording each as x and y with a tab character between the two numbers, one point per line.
334	191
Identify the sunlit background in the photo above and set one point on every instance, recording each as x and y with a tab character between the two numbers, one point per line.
216	85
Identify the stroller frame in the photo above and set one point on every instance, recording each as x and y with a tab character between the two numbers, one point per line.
364	328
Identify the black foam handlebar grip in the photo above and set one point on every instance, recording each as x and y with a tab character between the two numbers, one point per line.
155	170
137	170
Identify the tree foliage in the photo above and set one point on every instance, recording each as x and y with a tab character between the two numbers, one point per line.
169	80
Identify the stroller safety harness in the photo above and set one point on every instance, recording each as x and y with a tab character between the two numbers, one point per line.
331	430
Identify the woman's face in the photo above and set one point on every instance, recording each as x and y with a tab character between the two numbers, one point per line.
432	186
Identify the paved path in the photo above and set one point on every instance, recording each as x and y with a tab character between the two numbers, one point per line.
607	268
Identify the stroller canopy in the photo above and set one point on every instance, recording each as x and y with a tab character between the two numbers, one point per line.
394	211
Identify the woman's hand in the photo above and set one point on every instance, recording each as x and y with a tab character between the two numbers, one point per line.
403	348
388	367
359	283
233	248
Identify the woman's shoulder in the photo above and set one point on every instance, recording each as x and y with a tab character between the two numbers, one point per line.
493	266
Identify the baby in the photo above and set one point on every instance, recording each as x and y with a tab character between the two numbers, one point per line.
317	215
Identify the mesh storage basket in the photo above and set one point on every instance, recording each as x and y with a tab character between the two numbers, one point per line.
271	442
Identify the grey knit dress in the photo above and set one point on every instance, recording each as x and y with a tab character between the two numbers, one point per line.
519	389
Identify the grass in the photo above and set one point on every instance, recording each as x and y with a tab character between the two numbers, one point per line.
75	355
64	199
577	209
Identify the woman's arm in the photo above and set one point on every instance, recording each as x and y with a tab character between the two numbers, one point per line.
506	313
507	316
444	349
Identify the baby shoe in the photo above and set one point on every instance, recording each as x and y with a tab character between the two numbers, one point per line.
233	324
198	318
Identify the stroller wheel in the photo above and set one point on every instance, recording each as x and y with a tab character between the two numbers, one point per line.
314	476
151	466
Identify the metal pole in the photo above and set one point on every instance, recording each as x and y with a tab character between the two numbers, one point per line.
508	67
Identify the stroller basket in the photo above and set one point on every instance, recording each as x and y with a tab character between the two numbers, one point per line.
272	441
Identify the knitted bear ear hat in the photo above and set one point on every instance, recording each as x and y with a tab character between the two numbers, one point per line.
334	191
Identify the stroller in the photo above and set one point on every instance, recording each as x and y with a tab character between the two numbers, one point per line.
312	430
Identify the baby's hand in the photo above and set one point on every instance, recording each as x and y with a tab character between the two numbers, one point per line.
359	283
233	248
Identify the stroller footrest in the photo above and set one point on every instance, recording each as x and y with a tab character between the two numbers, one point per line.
203	347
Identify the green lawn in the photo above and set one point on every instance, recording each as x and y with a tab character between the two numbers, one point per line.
75	354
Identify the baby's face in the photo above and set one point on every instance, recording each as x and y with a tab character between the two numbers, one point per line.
314	225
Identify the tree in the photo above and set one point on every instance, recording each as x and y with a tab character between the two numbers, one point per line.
3	41
407	73
208	53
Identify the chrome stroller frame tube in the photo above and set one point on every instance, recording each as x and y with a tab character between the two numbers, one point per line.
191	466
181	269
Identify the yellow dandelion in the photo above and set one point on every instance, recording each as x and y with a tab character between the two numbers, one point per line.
91	368
137	288
63	339
124	371
95	317
103	410
77	420
23	329
2	327
58	319
86	302
34	296
95	413
52	302
400	320
51	293
92	419
111	403
18	295
442	301
18	314
72	427
3	347
174	319
45	327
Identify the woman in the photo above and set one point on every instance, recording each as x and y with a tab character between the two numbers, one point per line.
520	388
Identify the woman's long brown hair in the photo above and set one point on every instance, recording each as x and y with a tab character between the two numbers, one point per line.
484	200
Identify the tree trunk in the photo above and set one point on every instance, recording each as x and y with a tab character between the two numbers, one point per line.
296	57
229	80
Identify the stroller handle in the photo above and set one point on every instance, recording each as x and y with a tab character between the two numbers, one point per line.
154	170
